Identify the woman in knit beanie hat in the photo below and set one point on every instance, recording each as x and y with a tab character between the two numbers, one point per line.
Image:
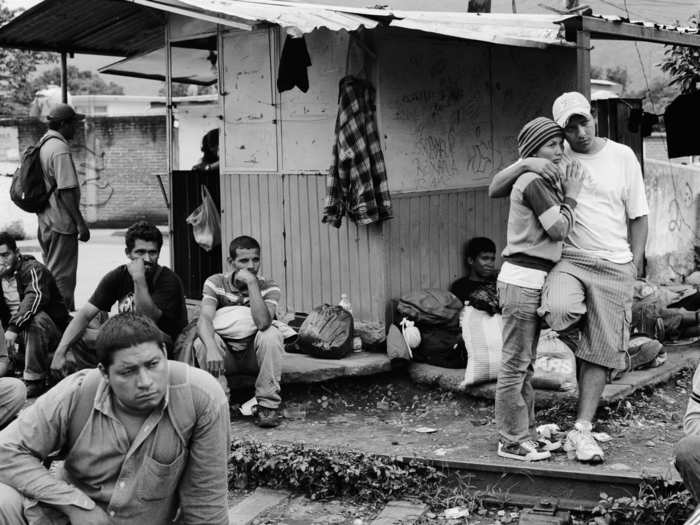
540	218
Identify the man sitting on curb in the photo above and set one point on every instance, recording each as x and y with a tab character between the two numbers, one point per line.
32	312
259	353
141	286
145	440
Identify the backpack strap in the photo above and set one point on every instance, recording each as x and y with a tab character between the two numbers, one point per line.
86	401
37	147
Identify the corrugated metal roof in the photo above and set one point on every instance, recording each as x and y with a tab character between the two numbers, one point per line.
107	27
294	18
512	30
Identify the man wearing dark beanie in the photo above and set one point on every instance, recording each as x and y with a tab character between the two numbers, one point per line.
540	218
587	297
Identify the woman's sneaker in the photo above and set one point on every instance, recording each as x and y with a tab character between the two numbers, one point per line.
581	443
526	451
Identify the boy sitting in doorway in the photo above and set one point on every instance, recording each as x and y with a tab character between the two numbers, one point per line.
480	259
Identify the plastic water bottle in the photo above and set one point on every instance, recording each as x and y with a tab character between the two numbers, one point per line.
345	303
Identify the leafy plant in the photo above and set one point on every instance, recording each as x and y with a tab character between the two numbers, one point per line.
321	473
682	63
658	503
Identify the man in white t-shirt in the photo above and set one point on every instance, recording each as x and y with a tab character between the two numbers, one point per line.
587	296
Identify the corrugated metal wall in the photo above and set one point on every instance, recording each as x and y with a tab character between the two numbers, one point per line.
424	240
284	213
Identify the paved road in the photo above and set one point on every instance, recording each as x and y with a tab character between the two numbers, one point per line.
102	253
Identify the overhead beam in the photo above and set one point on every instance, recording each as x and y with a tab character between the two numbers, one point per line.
600	28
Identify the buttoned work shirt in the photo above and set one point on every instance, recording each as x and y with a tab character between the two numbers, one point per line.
178	458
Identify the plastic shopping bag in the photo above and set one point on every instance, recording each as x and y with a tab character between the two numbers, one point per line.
206	222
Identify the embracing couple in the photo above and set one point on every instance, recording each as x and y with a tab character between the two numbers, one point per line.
577	228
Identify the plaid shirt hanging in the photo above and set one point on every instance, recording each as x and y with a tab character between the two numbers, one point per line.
356	185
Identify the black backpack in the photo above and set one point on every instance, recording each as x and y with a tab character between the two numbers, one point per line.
29	185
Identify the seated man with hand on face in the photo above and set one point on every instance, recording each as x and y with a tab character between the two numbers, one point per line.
243	300
146	441
141	286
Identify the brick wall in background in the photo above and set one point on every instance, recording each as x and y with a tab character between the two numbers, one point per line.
116	159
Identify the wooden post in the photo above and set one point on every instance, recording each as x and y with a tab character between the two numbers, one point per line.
169	134
479	6
64	77
583	63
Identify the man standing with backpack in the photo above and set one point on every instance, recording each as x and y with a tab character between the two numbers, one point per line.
61	224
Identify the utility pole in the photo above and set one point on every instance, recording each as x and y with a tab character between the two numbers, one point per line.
513	6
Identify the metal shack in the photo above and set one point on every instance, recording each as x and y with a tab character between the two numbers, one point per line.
452	91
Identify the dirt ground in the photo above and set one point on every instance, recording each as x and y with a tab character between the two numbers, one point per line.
388	414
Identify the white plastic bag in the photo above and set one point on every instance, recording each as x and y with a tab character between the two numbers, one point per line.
555	366
206	222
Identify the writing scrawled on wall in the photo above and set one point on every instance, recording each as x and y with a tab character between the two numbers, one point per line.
450	110
435	114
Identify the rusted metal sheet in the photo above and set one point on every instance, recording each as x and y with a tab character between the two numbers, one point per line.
425	239
323	262
314	263
102	27
251	204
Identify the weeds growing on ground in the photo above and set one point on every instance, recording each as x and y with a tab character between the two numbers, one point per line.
658	503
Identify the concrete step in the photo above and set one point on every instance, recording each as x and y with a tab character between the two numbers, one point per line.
256	504
400	512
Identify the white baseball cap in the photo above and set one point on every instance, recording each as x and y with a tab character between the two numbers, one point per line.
569	104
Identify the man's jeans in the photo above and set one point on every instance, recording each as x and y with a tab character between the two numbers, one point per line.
688	463
260	356
38	340
515	397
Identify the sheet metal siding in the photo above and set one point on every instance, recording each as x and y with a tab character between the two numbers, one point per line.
424	241
251	204
284	213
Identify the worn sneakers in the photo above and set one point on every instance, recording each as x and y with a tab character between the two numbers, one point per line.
526	451
266	417
583	445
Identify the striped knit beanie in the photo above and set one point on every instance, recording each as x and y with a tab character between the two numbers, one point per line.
535	133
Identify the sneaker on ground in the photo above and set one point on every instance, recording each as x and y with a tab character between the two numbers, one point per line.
583	444
525	451
266	417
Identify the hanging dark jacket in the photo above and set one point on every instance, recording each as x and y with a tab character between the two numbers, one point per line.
37	293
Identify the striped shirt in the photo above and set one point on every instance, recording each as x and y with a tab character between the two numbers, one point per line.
539	220
220	289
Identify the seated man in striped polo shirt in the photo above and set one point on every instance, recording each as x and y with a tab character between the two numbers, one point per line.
235	340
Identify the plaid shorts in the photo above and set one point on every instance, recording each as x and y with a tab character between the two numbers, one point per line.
595	296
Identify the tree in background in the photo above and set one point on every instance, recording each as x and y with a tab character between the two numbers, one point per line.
79	82
659	95
16	67
614	74
683	63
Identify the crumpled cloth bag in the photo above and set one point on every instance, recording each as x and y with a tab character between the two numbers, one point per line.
236	322
206	222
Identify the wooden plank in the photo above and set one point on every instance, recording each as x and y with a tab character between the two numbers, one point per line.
604	28
583	61
400	513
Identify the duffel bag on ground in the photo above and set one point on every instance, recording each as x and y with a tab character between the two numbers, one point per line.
431	307
327	332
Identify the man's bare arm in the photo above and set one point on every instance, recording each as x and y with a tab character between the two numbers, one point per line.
639	229
70	198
